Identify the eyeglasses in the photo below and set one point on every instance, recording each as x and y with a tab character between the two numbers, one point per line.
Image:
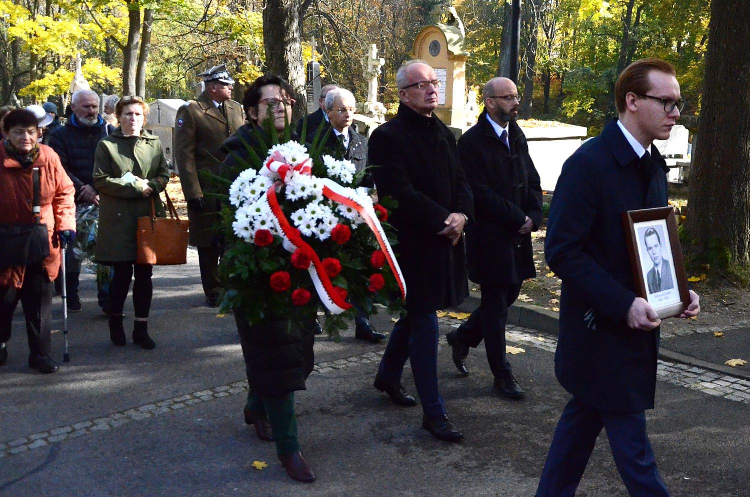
344	110
669	104
507	98
421	85
274	102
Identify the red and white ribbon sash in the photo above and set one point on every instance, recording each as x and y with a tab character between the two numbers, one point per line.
275	164
349	197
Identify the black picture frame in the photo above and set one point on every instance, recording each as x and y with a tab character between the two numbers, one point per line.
651	236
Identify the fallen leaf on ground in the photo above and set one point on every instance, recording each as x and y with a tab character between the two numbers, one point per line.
394	320
259	465
553	301
694	318
706	266
525	298
220	315
441	314
540	339
459	315
694	279
514	350
556	309
718	334
550	274
736	362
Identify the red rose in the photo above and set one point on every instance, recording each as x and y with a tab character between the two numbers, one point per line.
263	238
377	259
342	292
332	266
341	234
301	258
280	281
381	212
300	296
377	282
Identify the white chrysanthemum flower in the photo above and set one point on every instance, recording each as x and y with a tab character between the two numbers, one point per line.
347	211
248	175
243	229
316	187
236	193
323	232
292	192
298	217
263	223
254	209
307	227
314	210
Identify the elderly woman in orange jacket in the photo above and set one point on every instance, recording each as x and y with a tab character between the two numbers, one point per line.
20	154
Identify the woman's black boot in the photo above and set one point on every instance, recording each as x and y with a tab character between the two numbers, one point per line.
140	335
116	330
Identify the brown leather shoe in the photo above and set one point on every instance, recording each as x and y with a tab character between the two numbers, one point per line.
297	468
262	426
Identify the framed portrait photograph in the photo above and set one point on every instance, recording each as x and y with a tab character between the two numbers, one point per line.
656	259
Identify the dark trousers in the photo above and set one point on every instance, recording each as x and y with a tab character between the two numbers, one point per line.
574	440
208	261
488	322
36	298
415	337
281	416
143	288
361	320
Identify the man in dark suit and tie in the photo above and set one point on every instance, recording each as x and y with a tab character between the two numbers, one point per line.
508	207
345	143
609	338
659	278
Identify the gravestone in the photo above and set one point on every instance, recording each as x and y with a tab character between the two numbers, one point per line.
161	119
675	152
442	47
371	107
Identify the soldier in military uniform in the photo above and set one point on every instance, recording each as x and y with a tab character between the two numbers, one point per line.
201	127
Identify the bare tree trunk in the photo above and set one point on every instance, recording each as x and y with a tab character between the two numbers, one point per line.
503	64
281	40
718	222
130	52
148	21
530	69
547	78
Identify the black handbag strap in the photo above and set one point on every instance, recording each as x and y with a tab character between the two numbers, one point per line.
36	209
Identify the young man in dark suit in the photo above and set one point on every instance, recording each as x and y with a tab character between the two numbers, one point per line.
608	342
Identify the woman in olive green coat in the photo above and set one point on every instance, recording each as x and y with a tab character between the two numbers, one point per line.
129	172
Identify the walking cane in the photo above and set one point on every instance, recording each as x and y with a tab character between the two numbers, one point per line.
66	355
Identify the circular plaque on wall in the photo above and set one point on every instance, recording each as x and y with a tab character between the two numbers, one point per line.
434	48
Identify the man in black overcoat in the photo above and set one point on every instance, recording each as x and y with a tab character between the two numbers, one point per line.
414	161
508	207
609	338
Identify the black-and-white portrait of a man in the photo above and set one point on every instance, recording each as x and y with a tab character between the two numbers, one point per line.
659	278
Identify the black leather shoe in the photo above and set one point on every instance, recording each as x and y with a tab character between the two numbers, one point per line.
42	363
212	300
396	392
460	351
297	468
3	353
262	426
74	304
368	333
507	386
317	328
442	428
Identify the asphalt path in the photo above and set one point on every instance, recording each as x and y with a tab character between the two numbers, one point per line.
121	421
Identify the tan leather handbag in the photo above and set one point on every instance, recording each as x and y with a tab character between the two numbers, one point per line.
162	241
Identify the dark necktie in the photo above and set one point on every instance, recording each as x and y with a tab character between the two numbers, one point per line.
658	278
504	138
341	141
222	109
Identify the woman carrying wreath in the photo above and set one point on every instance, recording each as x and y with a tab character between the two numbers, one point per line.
20	155
129	172
278	358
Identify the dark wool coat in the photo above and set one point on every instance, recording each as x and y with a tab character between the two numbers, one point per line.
58	210
200	129
121	203
313	121
414	161
278	359
356	152
76	144
506	189
599	359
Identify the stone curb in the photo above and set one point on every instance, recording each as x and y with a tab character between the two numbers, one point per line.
540	319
